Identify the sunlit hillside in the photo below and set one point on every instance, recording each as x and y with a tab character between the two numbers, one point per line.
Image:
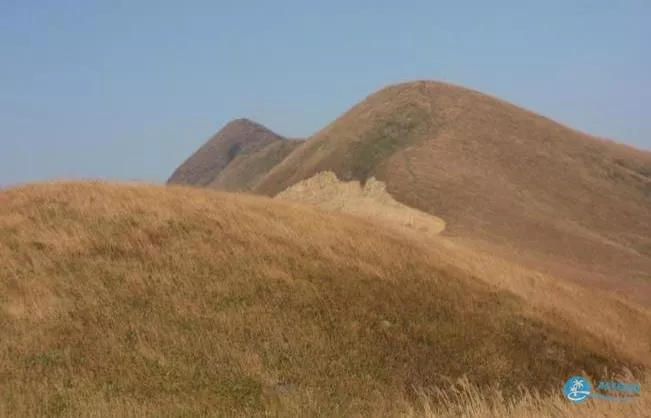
135	299
535	191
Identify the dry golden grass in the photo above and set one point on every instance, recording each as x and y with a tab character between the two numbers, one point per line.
459	400
467	402
539	193
595	310
598	312
130	300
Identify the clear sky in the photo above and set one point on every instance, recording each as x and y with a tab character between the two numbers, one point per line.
128	89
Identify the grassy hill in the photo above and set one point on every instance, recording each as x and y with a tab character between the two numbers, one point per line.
502	178
128	299
235	158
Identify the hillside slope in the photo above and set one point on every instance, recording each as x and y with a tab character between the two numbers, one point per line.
235	158
177	299
500	176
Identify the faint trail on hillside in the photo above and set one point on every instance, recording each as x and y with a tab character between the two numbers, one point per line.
410	169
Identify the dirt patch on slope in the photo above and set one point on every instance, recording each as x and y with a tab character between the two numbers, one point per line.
372	200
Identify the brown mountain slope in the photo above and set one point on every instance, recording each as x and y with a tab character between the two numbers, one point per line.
235	158
505	178
211	303
245	171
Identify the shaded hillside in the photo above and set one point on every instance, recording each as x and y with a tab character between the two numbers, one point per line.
245	171
235	158
177	299
543	193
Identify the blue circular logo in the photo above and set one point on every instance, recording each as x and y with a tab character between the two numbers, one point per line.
577	389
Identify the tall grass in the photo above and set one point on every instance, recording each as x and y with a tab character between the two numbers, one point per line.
139	300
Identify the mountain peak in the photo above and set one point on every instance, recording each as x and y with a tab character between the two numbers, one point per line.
240	136
493	171
244	122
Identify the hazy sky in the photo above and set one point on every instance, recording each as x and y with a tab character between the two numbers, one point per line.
128	89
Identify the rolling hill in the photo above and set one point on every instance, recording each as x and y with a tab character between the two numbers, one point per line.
503	179
132	299
235	159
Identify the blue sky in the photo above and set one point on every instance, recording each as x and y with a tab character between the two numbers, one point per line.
128	89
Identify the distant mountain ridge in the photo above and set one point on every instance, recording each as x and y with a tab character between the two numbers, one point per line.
235	158
499	175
